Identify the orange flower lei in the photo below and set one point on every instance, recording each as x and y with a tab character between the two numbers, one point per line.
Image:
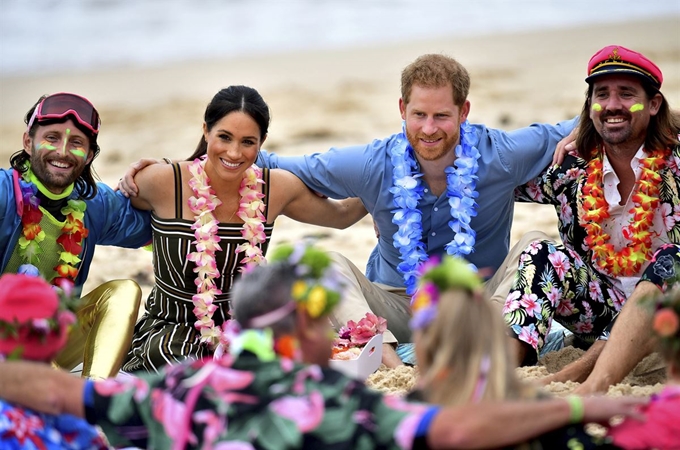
629	260
72	234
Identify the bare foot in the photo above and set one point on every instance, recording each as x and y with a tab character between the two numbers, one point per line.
390	357
589	388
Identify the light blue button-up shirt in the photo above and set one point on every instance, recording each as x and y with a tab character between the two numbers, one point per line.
508	160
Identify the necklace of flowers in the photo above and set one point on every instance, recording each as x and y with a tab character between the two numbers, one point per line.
203	204
629	260
72	232
408	190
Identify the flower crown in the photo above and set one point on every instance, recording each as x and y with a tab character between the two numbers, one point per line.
319	287
437	276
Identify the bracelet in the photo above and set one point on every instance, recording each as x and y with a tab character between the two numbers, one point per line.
167	160
575	409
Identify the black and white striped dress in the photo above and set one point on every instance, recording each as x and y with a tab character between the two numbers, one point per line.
166	333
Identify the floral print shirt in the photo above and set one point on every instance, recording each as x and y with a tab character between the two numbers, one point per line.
22	428
562	187
242	403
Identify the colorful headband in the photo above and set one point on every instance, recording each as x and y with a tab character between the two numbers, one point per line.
319	286
436	277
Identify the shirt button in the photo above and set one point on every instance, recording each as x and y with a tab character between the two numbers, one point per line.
434	234
436	209
426	190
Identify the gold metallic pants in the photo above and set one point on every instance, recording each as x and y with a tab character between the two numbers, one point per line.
102	337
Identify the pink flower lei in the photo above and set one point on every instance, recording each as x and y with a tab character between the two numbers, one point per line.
203	204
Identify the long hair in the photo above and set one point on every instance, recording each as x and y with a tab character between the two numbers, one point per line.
234	98
85	184
662	132
452	350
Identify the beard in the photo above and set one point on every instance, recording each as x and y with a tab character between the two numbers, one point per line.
432	153
55	182
617	136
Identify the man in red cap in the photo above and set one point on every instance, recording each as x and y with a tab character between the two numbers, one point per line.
619	219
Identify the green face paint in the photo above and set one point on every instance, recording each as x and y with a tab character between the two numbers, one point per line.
78	152
596	107
44	145
68	133
637	107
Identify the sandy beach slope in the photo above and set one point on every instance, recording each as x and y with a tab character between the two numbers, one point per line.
321	99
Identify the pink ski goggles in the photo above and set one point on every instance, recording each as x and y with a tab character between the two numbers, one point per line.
58	106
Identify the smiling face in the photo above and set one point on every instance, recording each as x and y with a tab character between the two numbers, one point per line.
233	143
433	121
621	110
59	153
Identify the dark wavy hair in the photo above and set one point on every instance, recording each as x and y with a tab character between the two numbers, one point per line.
662	132
85	184
234	98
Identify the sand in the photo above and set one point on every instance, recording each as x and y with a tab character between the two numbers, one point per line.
326	98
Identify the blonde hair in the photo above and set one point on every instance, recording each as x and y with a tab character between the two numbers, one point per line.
453	348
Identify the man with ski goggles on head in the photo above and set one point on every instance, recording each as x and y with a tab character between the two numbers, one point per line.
53	213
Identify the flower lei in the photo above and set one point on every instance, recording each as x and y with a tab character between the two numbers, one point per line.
206	226
629	260
407	190
72	233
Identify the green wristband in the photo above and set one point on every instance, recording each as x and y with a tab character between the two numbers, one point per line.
575	408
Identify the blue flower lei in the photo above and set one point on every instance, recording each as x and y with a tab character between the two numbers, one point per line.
461	182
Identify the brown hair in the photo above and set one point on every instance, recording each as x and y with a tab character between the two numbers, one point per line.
662	132
433	71
86	183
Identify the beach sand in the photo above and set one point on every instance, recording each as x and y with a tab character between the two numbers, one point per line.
329	98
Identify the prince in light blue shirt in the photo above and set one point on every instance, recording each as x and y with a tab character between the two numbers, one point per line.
442	185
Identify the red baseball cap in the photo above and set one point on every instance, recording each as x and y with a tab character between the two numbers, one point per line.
27	303
615	59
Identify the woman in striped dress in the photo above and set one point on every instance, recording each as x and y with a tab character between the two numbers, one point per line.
212	215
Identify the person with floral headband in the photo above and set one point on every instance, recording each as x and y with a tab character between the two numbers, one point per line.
53	214
619	218
440	185
274	389
212	216
34	324
661	429
458	364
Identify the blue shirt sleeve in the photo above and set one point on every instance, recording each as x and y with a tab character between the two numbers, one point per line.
528	151
120	224
88	394
337	173
426	421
